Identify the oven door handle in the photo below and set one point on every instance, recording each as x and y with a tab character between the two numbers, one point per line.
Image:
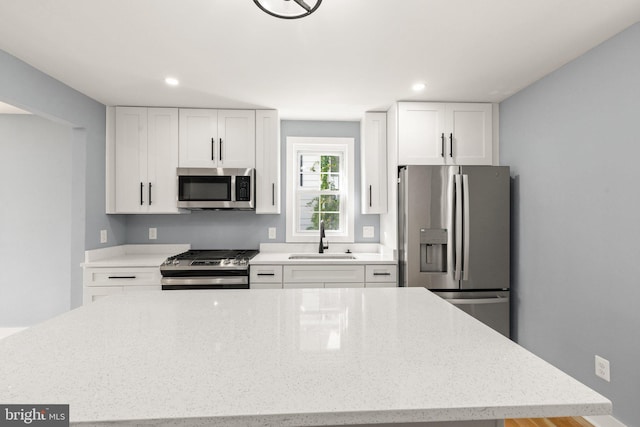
190	281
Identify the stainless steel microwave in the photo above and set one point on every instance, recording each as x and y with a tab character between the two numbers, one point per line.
216	188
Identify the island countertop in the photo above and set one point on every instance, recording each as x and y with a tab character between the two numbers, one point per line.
292	357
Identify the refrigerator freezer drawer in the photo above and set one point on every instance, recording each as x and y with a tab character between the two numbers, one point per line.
491	308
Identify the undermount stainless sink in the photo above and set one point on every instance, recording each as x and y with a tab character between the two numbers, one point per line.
321	256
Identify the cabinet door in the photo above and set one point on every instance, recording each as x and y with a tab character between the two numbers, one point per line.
373	163
162	160
265	285
237	138
267	162
421	133
130	159
198	141
469	134
323	272
93	293
344	285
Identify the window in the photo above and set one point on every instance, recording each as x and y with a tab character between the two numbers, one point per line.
320	187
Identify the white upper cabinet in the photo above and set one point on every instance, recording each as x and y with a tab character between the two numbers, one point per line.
217	138
373	159
145	158
198	138
431	133
421	133
267	162
470	134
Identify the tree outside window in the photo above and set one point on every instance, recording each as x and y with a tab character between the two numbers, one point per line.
320	191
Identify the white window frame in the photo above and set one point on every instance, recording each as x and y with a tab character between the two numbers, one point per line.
329	145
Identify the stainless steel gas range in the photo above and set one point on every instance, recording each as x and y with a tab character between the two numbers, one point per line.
207	269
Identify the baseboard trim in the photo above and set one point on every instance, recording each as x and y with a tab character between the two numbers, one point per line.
604	421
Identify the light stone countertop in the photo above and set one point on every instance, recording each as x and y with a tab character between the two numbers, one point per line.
275	253
292	357
132	255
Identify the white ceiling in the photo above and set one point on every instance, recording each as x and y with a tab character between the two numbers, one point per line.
348	57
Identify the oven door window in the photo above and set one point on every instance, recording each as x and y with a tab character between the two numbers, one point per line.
204	188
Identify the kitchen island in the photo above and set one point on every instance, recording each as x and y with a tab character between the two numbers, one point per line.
297	357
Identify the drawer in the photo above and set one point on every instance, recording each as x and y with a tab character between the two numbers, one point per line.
323	273
125	276
265	274
381	273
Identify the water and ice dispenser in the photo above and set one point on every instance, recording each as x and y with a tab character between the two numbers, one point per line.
433	250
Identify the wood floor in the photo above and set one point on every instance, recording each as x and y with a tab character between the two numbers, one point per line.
548	422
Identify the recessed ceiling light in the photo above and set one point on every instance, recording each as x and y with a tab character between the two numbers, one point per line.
171	81
418	87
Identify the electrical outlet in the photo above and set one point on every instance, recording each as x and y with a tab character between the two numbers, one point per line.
602	368
368	232
153	233
272	232
103	236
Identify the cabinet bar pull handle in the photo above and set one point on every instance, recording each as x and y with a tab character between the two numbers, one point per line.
141	194
451	145
213	149
370	199
382	274
442	151
266	274
149	194
122	277
220	149
273	194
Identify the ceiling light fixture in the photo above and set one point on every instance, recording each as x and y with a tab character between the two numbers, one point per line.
171	81
417	87
288	9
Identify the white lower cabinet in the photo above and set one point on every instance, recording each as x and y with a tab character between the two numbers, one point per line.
305	276
101	282
381	276
265	277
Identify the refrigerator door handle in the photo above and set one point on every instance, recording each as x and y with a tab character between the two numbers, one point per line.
465	227
457	181
465	301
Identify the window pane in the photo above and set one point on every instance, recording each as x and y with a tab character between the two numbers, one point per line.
331	221
330	181
330	163
308	209
329	204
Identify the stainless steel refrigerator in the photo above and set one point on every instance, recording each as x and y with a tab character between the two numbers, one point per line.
454	236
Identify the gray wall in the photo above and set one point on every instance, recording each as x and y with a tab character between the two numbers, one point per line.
35	219
573	143
238	229
30	89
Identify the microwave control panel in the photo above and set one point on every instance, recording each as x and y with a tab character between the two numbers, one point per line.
243	188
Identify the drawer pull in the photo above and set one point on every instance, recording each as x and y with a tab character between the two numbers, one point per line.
122	277
382	274
266	274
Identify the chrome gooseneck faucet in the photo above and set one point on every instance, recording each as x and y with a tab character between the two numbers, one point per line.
323	241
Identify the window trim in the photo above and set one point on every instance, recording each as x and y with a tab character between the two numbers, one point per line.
329	144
